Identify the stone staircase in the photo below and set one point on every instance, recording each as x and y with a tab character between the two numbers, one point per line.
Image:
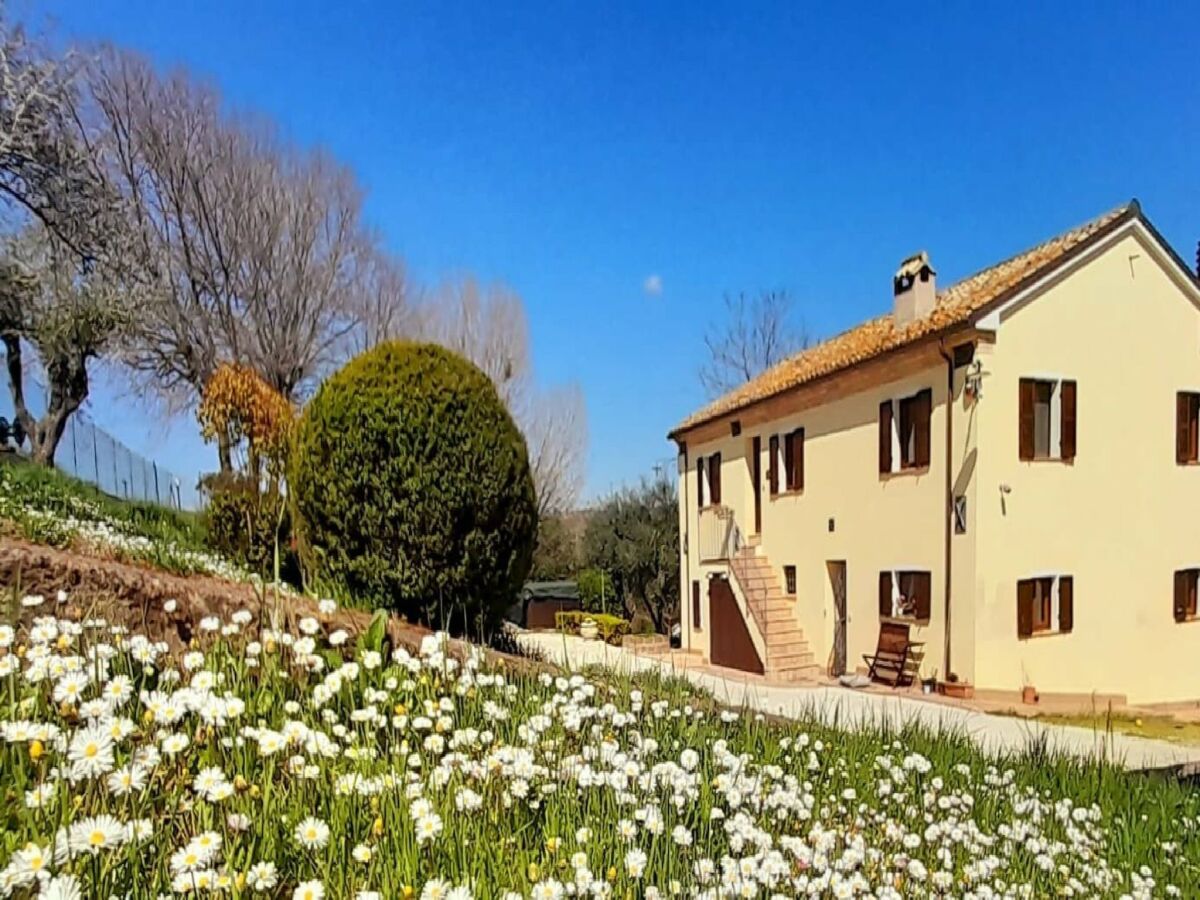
788	657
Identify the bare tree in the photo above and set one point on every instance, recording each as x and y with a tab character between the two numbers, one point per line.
757	334
385	305
555	429
257	248
70	312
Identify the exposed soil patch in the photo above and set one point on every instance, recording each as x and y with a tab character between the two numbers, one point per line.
135	596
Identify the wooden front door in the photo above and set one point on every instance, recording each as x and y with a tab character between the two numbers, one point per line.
731	645
756	481
837	585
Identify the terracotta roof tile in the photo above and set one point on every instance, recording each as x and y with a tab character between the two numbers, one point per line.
955	306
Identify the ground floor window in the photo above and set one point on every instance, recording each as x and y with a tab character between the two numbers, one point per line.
905	594
696	605
1045	605
1186	581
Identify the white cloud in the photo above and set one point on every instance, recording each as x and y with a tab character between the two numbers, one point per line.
653	286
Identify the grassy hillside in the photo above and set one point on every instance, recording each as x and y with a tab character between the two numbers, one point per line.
49	507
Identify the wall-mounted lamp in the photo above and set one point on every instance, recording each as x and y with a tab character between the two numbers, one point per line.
974	383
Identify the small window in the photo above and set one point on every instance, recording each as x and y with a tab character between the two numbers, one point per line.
1185	594
905	594
696	605
1187	428
1045	605
1047	419
789	579
904	432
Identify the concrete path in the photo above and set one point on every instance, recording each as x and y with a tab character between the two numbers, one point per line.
847	708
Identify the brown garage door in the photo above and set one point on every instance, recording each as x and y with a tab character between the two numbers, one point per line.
732	645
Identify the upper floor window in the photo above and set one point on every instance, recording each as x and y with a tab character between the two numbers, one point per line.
1187	427
1047	419
786	454
905	594
904	432
708	480
1185	594
789	579
1045	604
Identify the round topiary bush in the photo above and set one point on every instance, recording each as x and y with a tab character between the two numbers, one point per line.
412	487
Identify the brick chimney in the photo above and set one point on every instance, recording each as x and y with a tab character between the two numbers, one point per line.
914	290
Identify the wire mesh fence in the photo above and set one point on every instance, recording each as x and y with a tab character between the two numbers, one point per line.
93	455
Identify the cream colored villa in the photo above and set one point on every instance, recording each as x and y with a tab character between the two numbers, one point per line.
1009	466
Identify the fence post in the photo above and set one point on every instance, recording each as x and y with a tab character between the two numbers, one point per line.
157	493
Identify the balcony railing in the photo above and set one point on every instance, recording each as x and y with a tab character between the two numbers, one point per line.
720	537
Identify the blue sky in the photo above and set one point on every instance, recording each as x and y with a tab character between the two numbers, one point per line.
574	150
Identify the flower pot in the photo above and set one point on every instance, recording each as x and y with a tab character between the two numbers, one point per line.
960	690
589	630
1029	694
928	686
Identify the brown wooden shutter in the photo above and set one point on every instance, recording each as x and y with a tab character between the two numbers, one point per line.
885	593
700	482
773	464
695	604
1182	587
923	591
922	415
797	473
1067	434
885	436
1025	608
714	478
789	459
1066	603
1183	428
1025	416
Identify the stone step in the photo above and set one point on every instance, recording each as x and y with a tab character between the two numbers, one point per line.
790	661
800	673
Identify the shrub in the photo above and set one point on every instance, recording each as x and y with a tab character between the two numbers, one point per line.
413	487
246	525
611	628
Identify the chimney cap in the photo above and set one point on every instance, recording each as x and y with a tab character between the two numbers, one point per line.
915	266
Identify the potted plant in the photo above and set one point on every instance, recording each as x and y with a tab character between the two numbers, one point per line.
929	683
589	630
1029	694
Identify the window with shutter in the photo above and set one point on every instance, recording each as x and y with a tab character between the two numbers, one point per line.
696	605
1187	427
1045	605
714	479
915	595
885	437
700	482
915	413
1047	419
773	464
1186	583
885	594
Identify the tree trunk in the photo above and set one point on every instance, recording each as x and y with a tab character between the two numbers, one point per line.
16	383
225	453
68	389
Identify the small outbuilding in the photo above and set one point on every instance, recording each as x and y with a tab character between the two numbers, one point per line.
542	600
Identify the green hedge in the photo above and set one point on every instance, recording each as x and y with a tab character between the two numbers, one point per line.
612	629
412	487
